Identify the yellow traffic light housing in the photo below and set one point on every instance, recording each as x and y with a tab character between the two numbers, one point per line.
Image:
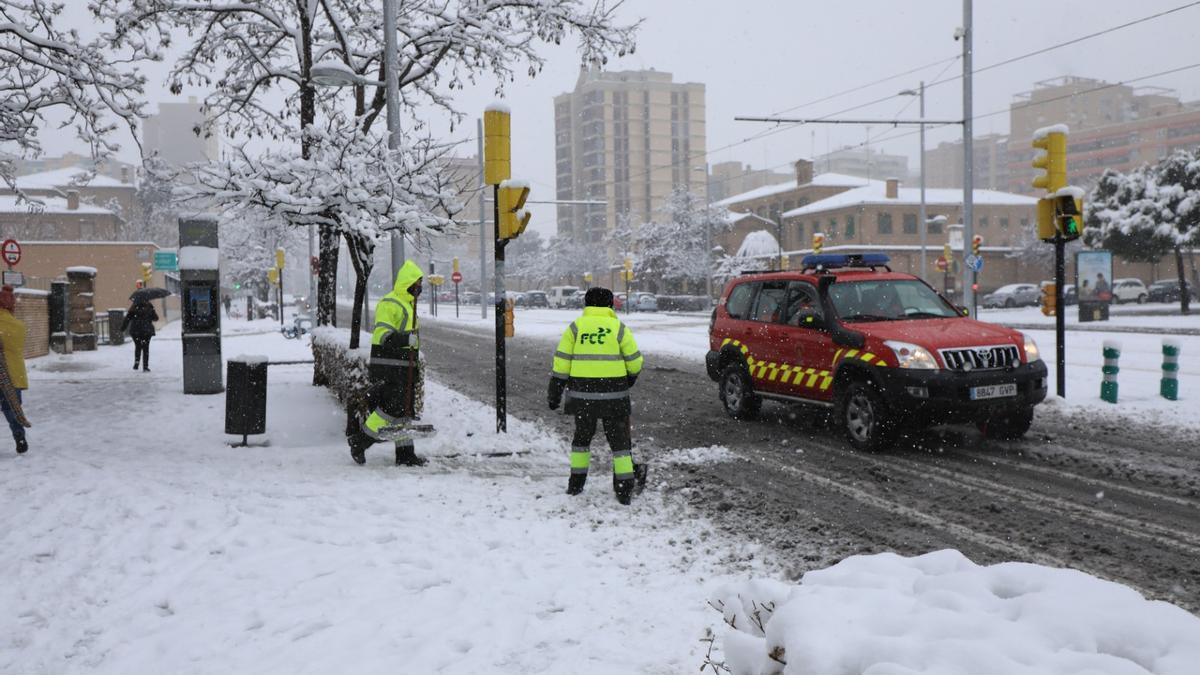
454	265
1053	142
1046	229
1049	299
147	271
273	276
497	144
513	216
279	258
509	329
976	244
818	242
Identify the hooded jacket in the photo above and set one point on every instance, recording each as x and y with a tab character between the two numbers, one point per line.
12	339
395	329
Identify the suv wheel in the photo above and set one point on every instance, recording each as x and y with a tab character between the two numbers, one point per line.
868	422
1007	425
737	393
1009	304
1142	298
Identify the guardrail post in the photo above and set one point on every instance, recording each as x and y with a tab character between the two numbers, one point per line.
1108	387
1169	388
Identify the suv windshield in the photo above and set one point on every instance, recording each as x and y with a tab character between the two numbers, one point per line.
888	300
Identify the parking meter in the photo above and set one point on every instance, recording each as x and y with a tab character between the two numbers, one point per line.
199	277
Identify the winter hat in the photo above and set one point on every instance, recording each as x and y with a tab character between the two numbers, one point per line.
598	297
7	299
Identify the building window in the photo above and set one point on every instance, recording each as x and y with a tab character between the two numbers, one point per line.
816	225
884	221
933	227
849	227
910	223
1024	223
800	232
833	228
1004	223
983	223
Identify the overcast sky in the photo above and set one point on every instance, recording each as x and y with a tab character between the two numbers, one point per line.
759	57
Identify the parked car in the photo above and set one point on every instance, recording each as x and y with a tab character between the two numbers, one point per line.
573	302
880	349
1168	291
1013	295
534	299
1129	290
557	295
645	302
469	298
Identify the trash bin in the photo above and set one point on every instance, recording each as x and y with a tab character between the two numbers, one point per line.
115	318
246	396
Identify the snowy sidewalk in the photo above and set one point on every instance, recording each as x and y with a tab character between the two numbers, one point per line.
134	539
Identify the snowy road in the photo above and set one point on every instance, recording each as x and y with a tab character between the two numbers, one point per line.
1110	496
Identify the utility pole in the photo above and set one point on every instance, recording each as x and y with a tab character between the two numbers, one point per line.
392	91
968	149
482	224
924	225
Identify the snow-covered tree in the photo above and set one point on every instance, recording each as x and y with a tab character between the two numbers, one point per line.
154	216
1149	212
351	185
672	250
248	52
51	73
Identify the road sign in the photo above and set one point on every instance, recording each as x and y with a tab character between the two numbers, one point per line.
14	279
166	260
942	264
974	262
456	277
12	251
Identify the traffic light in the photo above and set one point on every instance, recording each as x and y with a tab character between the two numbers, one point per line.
273	276
497	145
976	243
784	262
1068	215
1049	300
818	241
513	217
454	265
147	270
947	254
1046	228
279	259
1053	142
509	330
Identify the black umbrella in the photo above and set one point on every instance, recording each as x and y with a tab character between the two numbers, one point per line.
148	294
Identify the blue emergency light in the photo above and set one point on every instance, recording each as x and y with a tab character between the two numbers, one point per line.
831	261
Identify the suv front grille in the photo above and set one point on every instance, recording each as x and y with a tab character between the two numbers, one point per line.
981	358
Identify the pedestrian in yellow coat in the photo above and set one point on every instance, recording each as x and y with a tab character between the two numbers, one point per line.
13	379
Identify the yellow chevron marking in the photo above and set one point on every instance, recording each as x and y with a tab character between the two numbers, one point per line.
826	381
881	362
851	353
867	357
774	373
726	341
812	379
836	355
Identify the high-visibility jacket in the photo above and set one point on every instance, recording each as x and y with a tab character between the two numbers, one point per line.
395	332
12	338
596	360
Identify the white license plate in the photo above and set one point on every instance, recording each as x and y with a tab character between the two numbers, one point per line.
994	391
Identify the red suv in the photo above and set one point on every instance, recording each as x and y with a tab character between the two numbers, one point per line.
882	348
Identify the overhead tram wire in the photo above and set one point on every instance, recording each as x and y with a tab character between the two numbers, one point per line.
1067	43
1034	104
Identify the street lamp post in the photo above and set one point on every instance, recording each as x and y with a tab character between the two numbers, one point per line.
920	92
708	270
331	73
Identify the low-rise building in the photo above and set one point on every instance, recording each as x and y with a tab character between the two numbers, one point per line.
57	218
115	194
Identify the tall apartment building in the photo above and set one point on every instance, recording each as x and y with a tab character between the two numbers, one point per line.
626	138
1114	127
864	163
178	134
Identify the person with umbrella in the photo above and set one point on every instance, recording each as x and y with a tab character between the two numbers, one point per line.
139	321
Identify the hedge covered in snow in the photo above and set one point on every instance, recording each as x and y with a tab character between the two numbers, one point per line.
342	370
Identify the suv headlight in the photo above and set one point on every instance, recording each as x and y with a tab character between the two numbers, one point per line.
911	356
1031	350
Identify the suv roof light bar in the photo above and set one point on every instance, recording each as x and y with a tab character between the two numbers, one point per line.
831	261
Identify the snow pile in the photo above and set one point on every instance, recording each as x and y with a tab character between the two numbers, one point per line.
941	614
199	258
1052	129
713	454
81	269
758	243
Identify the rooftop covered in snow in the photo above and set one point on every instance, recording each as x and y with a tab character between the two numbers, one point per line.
68	177
9	206
820	180
876	193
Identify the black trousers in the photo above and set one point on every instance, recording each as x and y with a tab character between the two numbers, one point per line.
616	430
141	351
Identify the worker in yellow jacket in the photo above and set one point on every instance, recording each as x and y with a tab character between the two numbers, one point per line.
393	370
596	363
